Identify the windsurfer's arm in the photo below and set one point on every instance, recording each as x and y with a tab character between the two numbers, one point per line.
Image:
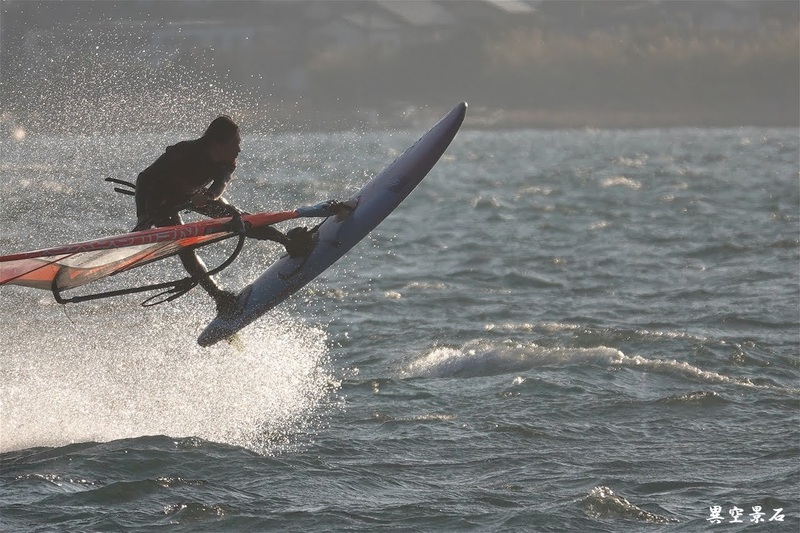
217	187
221	181
204	196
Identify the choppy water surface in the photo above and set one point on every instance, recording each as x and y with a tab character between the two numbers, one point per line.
569	330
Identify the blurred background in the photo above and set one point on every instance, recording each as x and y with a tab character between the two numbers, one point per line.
82	66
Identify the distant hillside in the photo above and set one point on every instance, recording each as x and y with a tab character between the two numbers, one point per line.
625	78
85	65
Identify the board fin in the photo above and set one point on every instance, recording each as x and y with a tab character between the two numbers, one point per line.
235	341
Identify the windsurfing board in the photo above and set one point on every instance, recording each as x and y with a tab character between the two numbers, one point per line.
338	234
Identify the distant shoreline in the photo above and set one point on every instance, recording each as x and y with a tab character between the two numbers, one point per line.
681	118
478	118
484	118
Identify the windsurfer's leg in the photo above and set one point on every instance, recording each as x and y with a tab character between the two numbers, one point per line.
222	208
196	268
297	242
143	218
154	212
267	233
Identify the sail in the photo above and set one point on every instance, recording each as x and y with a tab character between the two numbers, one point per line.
73	265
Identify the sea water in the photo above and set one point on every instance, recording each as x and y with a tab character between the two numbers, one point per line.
577	330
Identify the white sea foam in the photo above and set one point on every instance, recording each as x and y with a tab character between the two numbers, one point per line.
483	357
621	181
602	502
673	366
480	358
557	327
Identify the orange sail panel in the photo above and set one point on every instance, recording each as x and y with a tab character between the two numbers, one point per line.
73	265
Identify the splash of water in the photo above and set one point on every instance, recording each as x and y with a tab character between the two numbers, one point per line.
105	380
100	84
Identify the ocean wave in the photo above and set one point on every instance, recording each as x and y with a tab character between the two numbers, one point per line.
675	367
641	334
427	417
486	358
602	502
636	161
696	398
194	512
621	181
61	482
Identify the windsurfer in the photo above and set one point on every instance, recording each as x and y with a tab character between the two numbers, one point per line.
193	174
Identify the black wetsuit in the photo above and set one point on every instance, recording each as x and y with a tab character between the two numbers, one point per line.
167	186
